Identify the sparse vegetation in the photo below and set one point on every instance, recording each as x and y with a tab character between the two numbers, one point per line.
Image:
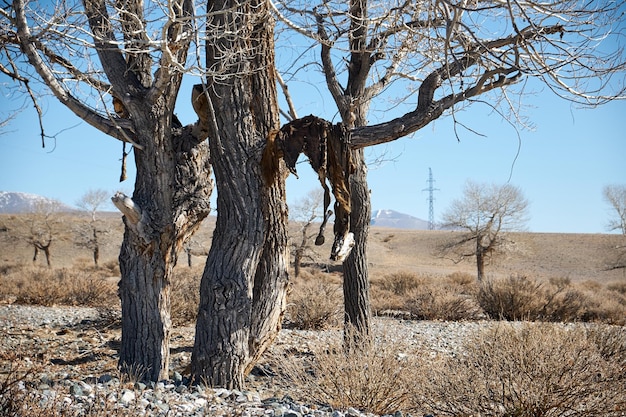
531	370
314	302
389	375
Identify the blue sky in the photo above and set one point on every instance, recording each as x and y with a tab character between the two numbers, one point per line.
562	166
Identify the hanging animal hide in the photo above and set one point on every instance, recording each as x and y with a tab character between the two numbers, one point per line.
328	148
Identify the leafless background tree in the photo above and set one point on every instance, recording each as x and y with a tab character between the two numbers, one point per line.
485	212
40	227
615	197
306	212
88	234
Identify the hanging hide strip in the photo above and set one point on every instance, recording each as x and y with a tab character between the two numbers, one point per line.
328	148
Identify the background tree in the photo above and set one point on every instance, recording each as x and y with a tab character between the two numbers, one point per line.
486	212
305	212
615	196
88	235
430	59
126	83
39	227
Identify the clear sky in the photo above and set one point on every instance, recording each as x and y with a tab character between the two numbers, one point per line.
562	165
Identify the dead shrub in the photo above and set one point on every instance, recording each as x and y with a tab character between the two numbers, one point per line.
47	287
431	302
462	279
521	298
313	304
619	287
400	283
375	377
425	297
185	296
529	370
514	298
13	375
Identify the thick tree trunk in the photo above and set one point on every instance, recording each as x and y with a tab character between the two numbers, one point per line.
171	195
243	285
355	270
145	295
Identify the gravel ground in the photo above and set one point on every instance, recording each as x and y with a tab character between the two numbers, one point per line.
74	350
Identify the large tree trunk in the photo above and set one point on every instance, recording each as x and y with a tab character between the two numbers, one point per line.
355	270
170	200
243	285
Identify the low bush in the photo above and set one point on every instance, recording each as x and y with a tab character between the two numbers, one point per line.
314	303
47	287
521	298
185	296
531	370
376	378
426	297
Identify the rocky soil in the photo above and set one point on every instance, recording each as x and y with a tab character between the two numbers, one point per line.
73	354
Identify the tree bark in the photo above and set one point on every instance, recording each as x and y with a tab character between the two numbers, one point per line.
355	269
242	292
170	200
480	260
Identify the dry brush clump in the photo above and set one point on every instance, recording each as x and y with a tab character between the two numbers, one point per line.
185	296
522	298
531	370
63	286
374	377
314	302
426	297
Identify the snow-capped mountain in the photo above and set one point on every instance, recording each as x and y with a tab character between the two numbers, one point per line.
12	202
390	218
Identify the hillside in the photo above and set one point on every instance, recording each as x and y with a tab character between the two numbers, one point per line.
578	257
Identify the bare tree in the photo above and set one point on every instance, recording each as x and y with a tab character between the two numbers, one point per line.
432	59
486	212
39	227
615	196
125	83
88	235
305	212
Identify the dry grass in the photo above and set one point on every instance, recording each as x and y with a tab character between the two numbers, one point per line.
458	297
44	286
185	296
314	302
522	298
514	369
375	378
528	370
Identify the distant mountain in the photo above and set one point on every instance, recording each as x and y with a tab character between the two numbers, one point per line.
390	218
11	202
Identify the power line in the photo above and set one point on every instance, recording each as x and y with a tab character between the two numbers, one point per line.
431	199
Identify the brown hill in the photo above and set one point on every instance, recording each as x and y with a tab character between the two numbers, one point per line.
578	257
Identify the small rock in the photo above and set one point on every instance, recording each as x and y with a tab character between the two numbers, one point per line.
105	379
76	390
353	412
178	378
127	397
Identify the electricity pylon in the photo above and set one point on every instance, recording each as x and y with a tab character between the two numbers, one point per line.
431	199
